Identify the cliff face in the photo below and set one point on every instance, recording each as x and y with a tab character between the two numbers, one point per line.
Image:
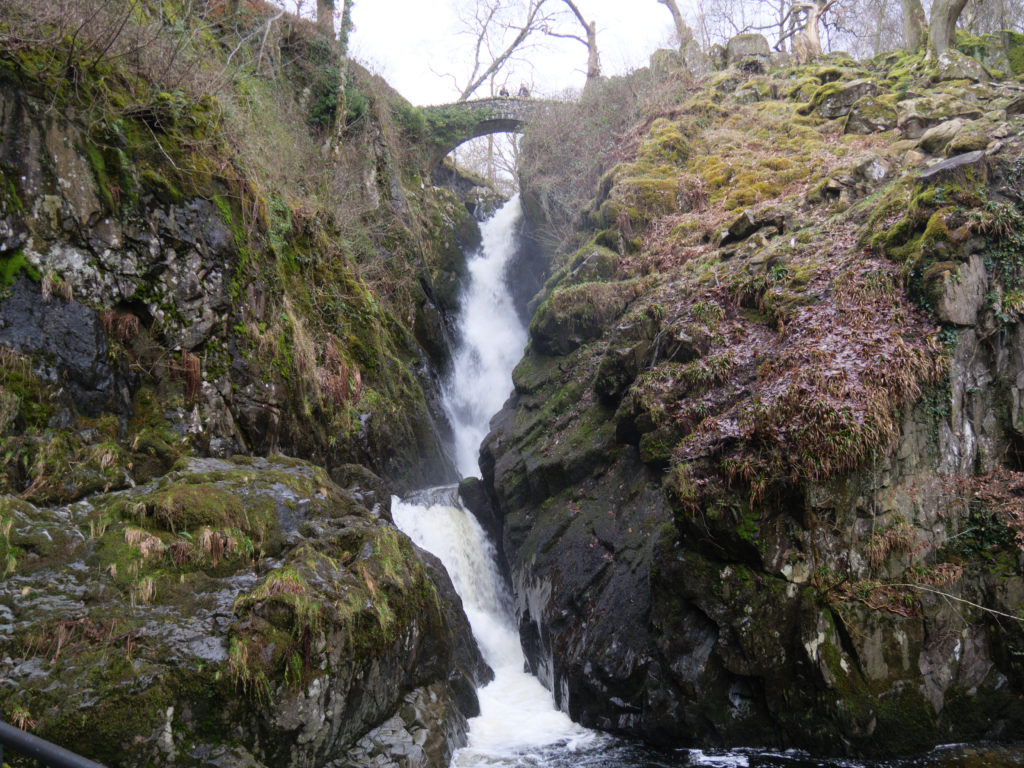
759	475
187	282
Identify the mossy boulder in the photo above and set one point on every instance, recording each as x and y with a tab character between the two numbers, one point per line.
916	115
871	114
751	47
227	602
649	186
578	314
834	100
990	50
954	65
937	138
975	135
666	144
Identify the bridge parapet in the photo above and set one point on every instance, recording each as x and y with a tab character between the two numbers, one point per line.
453	124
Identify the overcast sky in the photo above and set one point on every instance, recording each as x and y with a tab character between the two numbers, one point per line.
410	42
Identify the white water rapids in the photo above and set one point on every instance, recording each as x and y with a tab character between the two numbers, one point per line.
518	719
517	714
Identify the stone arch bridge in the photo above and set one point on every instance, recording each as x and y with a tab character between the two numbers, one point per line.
449	125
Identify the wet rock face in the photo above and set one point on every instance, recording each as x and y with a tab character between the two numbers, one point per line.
97	228
70	336
670	587
720	626
244	602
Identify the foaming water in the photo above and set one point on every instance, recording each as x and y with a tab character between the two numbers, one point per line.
491	340
518	723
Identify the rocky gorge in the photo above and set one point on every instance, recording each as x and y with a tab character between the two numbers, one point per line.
758	482
191	293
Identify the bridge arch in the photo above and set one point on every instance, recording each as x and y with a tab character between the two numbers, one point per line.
452	124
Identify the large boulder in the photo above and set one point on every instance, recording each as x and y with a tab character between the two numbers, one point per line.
834	100
871	114
953	65
248	602
748	50
990	50
936	138
968	165
918	114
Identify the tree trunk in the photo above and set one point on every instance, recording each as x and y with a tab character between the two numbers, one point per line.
811	36
942	28
914	24
346	29
876	38
325	17
682	31
593	60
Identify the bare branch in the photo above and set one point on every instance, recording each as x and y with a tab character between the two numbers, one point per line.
529	26
593	60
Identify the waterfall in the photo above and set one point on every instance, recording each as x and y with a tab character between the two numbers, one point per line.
517	717
518	725
491	339
517	714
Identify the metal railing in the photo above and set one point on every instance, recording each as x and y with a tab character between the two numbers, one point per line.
42	750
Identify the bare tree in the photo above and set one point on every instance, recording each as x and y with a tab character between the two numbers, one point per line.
590	29
683	31
718	20
986	16
501	28
807	15
940	28
494	157
865	28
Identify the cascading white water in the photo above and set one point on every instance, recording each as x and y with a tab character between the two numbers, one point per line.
517	714
517	717
491	341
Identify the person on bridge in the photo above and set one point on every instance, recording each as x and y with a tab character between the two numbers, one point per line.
503	92
524	92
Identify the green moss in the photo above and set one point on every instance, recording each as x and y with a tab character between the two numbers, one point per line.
186	507
11	200
824	92
1015	51
879	109
666	144
579	313
165	190
14	264
642	191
